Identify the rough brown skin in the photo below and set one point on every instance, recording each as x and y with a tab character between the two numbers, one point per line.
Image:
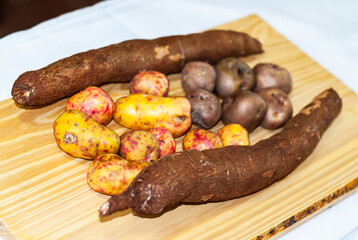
120	62
230	172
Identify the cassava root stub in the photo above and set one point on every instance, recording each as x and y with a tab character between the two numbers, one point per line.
229	172
120	62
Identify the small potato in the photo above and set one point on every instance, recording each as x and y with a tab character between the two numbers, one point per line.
198	75
149	82
201	139
245	108
95	102
279	108
145	112
166	140
139	146
233	74
205	108
80	136
272	75
234	134
111	174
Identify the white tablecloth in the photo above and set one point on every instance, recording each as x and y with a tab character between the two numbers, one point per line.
326	30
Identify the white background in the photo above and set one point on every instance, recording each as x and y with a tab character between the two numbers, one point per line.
325	30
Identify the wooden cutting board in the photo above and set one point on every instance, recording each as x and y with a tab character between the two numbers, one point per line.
44	193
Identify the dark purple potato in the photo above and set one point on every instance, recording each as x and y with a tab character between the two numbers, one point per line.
198	75
244	107
205	108
272	75
279	108
233	74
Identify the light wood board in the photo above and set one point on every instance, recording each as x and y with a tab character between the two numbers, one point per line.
44	193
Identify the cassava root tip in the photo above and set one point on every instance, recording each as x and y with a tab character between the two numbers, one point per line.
21	94
117	203
103	210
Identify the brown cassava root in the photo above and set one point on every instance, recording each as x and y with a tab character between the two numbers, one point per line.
120	62
229	172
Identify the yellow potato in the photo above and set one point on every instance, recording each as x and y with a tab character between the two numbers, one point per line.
80	136
145	112
111	174
95	102
149	82
234	134
166	140
139	146
201	139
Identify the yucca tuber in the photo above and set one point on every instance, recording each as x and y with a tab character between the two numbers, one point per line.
229	172
120	62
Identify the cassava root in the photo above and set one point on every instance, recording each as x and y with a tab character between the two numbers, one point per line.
120	62
230	172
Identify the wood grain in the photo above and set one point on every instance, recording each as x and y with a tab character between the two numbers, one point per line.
44	194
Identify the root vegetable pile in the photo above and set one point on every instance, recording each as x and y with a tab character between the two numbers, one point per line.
120	62
213	166
229	172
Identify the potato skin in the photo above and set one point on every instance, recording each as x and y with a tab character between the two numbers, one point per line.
198	75
201	139
145	112
205	108
149	82
245	108
166	140
80	136
272	75
139	146
111	174
233	74
279	108
234	134
93	101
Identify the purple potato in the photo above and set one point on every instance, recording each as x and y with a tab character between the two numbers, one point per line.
244	107
205	108
279	108
198	75
233	74
272	75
